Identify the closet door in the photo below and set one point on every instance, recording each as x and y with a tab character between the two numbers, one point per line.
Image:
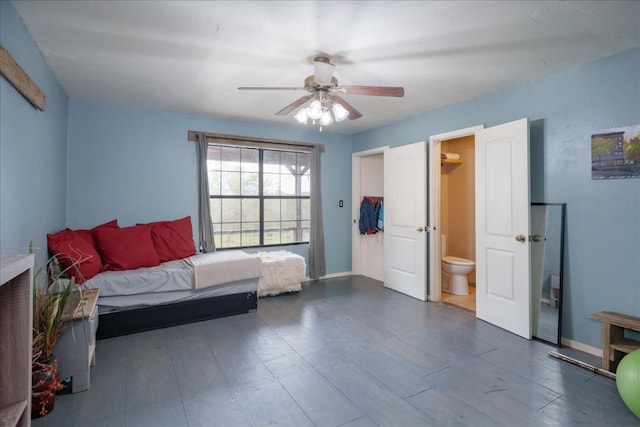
405	219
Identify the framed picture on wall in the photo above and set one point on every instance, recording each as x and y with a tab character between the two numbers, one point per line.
615	153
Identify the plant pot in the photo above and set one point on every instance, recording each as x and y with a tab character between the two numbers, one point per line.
44	385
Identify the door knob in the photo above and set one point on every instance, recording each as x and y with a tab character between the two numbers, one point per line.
420	229
521	238
536	238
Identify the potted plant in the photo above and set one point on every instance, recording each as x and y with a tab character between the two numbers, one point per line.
50	295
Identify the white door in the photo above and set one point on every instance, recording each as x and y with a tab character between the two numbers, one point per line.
405	208
503	295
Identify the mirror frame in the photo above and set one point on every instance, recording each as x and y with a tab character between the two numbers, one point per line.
563	209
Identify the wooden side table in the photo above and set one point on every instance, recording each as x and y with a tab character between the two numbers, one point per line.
75	350
614	344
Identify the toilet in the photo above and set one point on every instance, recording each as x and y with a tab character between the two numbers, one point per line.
454	271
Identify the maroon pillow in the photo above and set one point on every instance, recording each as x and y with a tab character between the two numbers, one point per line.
173	239
71	247
88	234
126	248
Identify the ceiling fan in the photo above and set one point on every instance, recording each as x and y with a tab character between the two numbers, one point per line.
324	102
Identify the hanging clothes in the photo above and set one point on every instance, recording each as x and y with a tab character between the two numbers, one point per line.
367	216
379	209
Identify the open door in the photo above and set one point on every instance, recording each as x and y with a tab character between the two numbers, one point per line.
405	230
503	295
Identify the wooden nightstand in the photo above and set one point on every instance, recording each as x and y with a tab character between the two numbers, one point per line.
75	350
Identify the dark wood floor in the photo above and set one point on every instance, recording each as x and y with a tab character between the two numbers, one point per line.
343	352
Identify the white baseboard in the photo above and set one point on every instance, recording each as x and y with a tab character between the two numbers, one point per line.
333	275
582	347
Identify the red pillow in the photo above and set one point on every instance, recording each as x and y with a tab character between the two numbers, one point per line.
126	248
88	234
71	247
173	239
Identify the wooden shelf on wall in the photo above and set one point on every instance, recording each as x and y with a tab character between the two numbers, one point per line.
16	297
10	415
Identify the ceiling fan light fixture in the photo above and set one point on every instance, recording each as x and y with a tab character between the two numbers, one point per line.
326	119
314	111
322	103
339	112
301	116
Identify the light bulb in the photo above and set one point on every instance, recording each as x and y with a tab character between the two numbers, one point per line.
326	119
339	112
314	112
301	116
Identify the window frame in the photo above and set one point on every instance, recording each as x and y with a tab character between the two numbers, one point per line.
261	197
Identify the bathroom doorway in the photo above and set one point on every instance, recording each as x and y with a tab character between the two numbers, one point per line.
457	215
441	189
502	223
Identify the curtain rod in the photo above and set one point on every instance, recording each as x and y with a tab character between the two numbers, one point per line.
192	135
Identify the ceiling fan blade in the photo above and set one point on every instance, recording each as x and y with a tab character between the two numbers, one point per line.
353	113
295	104
372	90
269	88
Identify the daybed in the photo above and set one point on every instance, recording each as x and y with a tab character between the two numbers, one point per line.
150	275
200	287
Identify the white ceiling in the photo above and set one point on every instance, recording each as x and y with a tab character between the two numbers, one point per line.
191	56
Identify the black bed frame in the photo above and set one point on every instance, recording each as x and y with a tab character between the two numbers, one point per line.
164	315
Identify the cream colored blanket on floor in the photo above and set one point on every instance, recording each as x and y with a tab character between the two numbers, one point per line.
221	267
282	271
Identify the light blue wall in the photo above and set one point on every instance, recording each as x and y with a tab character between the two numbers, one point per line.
33	148
137	166
602	265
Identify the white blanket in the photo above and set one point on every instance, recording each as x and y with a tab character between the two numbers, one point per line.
223	267
282	271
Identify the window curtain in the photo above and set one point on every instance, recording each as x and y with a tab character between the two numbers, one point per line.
317	267
207	244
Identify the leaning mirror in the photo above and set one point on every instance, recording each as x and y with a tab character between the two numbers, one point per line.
547	248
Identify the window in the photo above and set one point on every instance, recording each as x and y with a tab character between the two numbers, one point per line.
259	197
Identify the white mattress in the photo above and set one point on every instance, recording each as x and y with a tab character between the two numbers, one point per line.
166	283
167	277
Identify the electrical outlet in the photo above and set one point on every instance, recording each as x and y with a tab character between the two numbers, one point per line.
341	203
